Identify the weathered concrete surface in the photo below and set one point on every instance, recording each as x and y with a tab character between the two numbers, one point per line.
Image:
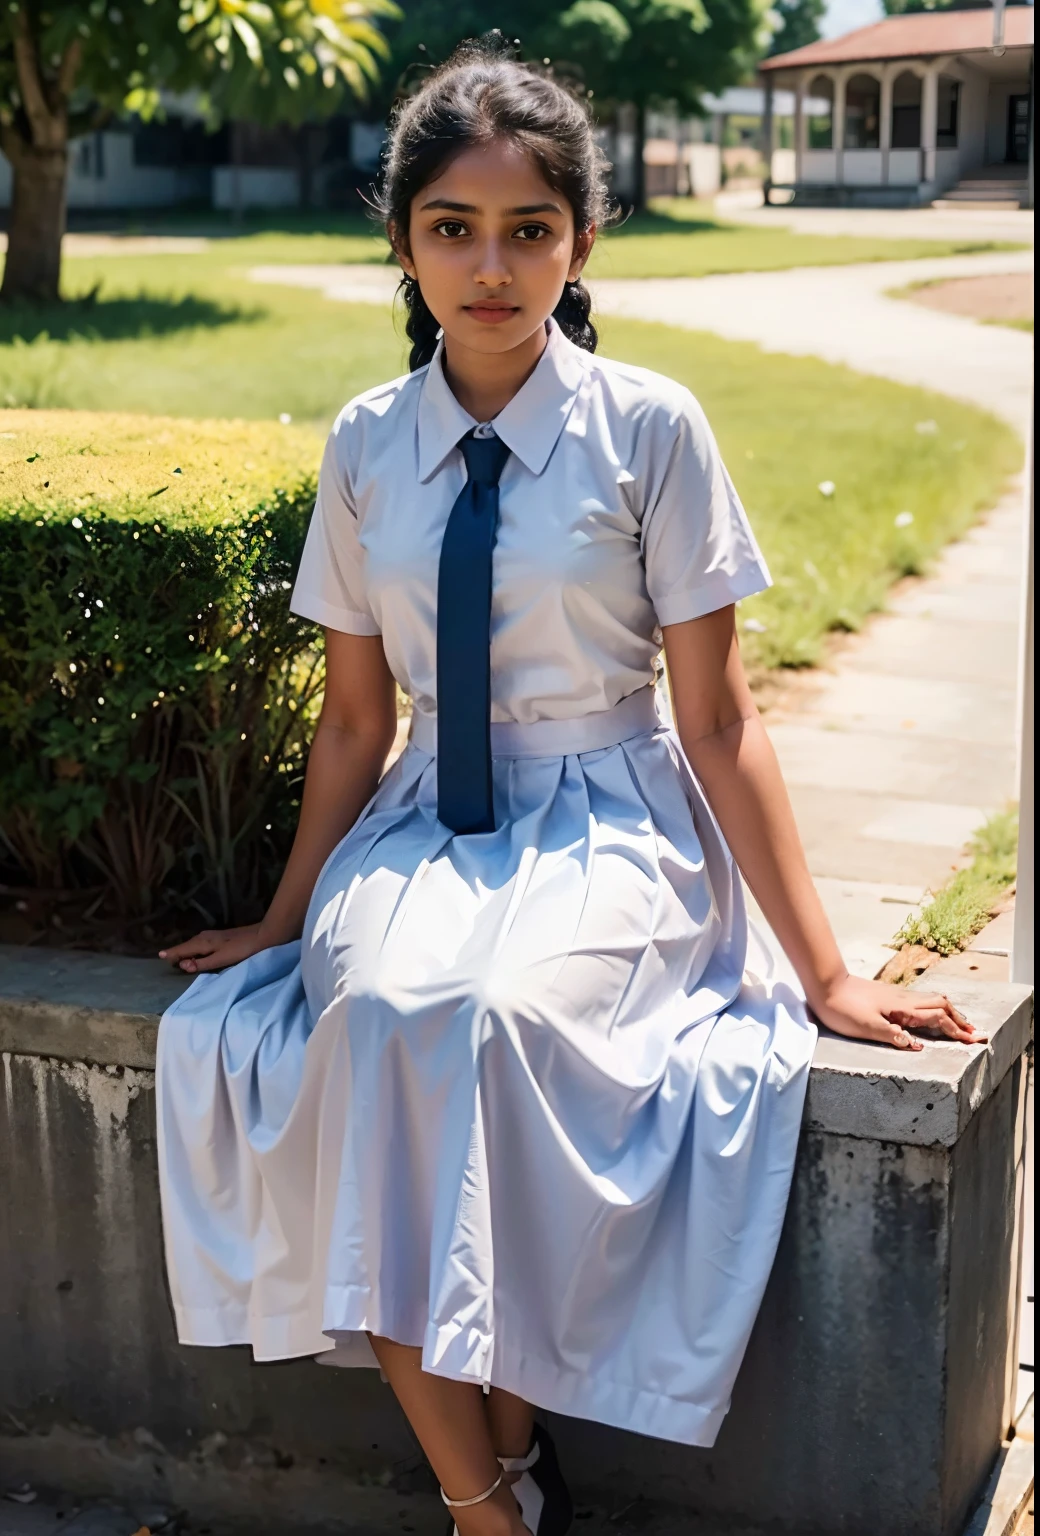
79	1007
84	1007
871	1399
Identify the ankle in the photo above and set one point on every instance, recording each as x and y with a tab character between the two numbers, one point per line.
497	1516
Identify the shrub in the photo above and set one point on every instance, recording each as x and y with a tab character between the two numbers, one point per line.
156	694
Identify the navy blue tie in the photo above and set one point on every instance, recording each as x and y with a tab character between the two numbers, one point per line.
465	802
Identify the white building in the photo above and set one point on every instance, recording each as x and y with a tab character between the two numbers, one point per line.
916	107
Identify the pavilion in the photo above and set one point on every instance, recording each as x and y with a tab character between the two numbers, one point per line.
917	107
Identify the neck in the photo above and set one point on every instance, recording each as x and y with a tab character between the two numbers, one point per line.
484	382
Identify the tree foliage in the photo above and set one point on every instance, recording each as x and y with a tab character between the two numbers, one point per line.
67	66
248	58
796	23
643	51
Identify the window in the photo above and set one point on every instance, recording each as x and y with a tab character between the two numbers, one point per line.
863	112
949	102
906	111
818	107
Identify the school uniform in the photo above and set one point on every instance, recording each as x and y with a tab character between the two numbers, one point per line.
514	1097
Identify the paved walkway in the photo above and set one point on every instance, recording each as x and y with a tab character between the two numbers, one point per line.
897	751
1011	224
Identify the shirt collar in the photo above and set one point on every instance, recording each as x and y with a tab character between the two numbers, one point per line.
529	425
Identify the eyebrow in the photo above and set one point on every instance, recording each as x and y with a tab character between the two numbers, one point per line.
528	208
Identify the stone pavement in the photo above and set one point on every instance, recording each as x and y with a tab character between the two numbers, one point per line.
902	746
844	315
896	752
968	224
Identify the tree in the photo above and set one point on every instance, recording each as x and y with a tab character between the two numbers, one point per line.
69	66
650	52
797	24
655	53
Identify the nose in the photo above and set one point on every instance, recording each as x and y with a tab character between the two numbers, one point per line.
492	269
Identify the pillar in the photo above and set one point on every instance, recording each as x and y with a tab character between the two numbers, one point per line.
838	138
929	122
885	109
799	127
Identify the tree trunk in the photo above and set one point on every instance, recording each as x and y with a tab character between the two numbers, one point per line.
639	170
32	271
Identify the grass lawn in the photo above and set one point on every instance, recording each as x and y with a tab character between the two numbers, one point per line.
679	237
675	237
189	336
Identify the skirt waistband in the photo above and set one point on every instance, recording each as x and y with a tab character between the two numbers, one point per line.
635	715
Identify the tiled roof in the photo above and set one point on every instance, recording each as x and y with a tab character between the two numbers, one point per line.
913	36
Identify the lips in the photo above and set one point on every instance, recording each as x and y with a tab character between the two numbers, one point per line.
491	314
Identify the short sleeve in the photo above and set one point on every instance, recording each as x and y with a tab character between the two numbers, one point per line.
698	548
330	584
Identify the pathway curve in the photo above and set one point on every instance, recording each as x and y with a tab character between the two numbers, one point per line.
896	751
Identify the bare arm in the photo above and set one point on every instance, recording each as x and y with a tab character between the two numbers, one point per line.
727	746
354	734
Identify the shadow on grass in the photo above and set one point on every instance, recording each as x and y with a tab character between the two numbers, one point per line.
650	221
116	319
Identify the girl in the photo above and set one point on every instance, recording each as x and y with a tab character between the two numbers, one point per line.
487	1094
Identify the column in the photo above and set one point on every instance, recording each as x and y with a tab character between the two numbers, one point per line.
929	122
885	141
839	125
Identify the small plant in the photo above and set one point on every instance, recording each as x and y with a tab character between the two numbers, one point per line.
961	907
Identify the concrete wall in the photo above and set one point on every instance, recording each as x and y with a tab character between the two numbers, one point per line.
871	1399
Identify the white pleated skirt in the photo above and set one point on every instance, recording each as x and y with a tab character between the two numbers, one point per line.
514	1099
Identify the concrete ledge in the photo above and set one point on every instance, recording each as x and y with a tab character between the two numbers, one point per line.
105	1009
872	1399
1007	1493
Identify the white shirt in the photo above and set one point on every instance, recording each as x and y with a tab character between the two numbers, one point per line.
617	515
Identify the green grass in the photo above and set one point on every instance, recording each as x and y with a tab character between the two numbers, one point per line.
190	337
1015	325
675	237
961	907
679	237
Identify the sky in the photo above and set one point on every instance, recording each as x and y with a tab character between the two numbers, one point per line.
844	15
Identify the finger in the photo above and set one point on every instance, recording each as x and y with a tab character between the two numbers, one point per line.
939	1019
898	1037
940	1000
200	944
218	961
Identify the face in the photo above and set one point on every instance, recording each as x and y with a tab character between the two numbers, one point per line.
491	245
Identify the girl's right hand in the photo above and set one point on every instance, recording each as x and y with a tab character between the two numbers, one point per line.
214	949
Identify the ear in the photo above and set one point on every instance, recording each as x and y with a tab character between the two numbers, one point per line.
399	246
583	243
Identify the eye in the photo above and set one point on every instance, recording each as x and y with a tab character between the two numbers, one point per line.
451	229
532	232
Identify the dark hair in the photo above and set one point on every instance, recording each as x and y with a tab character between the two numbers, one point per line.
479	95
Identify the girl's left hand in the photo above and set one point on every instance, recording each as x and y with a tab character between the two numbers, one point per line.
873	1010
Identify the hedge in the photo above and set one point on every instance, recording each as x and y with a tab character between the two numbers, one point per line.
156	694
